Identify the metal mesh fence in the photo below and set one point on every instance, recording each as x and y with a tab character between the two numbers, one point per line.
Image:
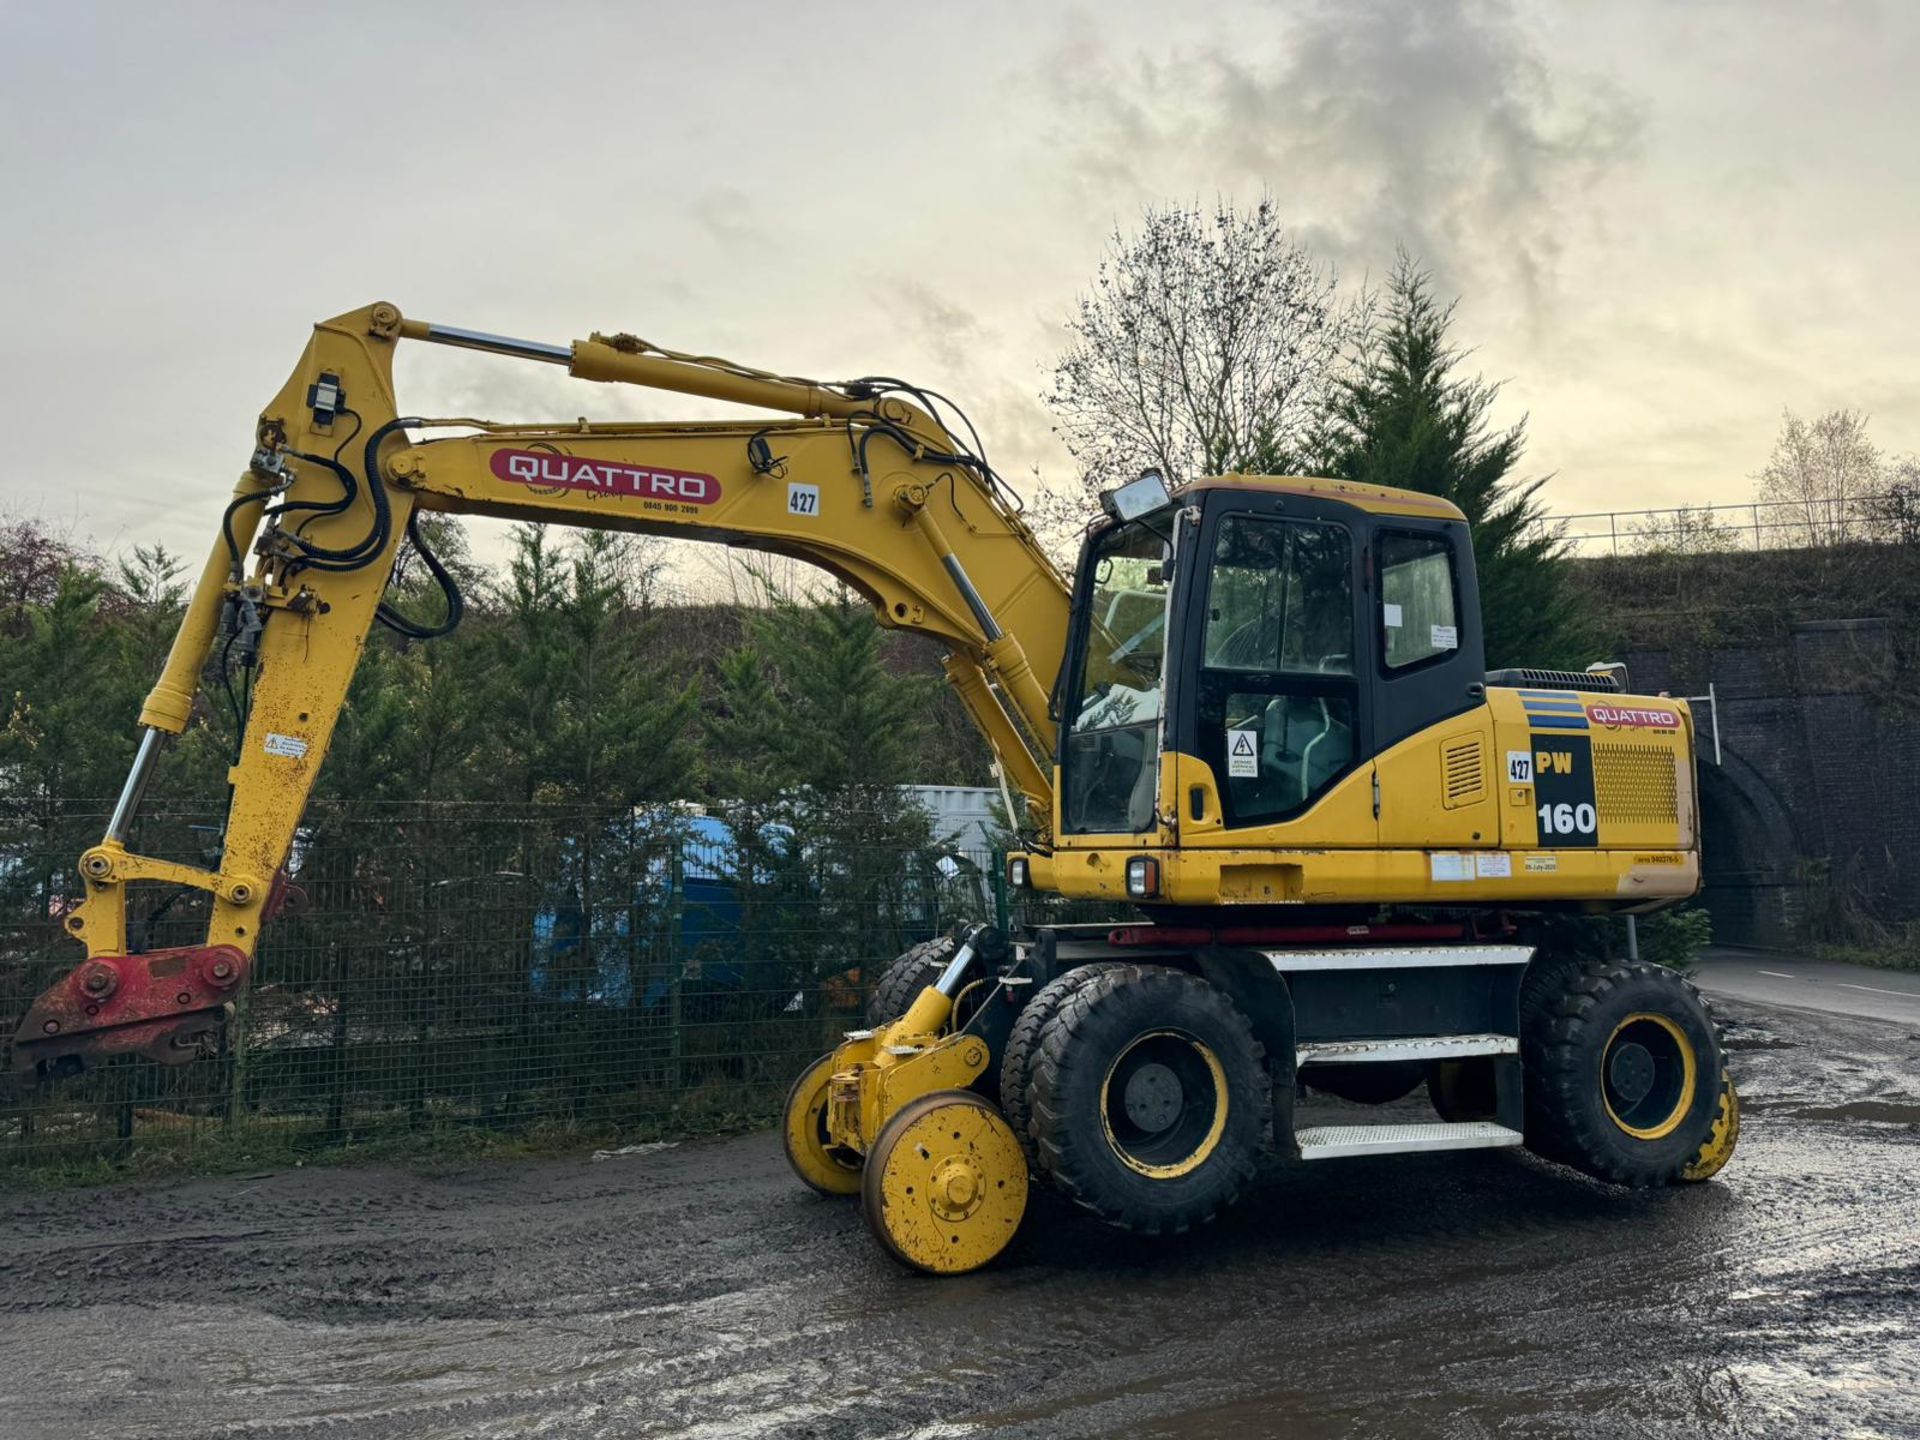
1892	517
460	967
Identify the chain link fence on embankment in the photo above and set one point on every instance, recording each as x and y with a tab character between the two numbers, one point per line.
470	969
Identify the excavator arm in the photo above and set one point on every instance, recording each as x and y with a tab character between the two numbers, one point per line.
864	481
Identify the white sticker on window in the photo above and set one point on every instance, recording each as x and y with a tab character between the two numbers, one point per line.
1391	613
1243	754
291	747
1446	637
1519	767
1493	867
803	500
1448	866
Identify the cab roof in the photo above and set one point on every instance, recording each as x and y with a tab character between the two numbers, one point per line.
1375	499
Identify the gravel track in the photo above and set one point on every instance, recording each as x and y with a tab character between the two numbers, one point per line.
699	1291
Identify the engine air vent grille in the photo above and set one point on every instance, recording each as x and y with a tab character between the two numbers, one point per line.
1635	783
1463	764
1592	682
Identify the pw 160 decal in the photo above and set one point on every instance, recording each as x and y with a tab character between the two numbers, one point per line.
549	474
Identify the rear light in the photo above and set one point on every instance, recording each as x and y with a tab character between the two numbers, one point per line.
1019	874
1143	877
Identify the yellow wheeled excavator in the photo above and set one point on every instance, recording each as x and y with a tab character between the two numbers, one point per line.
1258	717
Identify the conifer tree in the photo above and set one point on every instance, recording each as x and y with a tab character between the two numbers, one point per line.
1408	418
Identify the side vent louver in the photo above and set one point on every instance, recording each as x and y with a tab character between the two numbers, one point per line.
1464	771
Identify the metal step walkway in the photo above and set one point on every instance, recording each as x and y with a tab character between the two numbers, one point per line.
1336	1142
1417	1047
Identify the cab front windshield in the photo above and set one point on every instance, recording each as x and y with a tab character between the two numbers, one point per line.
1113	718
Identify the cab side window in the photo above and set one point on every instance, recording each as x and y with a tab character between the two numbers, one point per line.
1419	605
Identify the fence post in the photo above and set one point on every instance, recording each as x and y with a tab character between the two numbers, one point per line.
1002	917
676	917
237	1057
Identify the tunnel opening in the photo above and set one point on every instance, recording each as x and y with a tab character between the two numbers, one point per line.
1752	876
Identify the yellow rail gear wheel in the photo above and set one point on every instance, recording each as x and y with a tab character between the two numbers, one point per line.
1149	1099
814	1157
1713	1156
1619	1074
945	1184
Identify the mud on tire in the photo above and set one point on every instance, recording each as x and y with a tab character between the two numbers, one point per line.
1623	1074
1149	1098
1023	1049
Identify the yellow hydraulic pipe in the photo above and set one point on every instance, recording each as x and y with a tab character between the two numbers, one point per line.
1008	657
596	360
969	682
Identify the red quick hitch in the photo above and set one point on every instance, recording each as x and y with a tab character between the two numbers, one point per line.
167	1005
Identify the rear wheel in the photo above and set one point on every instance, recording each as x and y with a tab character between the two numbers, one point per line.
1149	1098
1718	1149
1623	1075
1463	1090
1365	1083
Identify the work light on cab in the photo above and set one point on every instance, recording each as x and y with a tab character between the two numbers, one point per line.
1137	498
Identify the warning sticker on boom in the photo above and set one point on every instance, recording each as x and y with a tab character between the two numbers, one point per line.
288	747
1243	754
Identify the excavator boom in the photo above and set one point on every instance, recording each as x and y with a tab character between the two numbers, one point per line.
864	481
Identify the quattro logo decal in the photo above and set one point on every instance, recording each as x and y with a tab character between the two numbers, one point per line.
1634	717
549	474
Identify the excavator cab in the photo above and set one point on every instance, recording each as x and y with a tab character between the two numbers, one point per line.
1243	650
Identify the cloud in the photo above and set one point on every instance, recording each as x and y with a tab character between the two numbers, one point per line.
1440	127
730	217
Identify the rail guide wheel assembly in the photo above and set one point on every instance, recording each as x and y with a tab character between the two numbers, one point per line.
820	1164
946	1183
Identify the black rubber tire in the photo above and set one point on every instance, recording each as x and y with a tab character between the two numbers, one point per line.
1366	1083
1095	1027
1463	1090
906	977
1564	1049
1546	980
1023	1048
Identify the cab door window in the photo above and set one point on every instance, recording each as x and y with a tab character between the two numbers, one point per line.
1419	610
1278	699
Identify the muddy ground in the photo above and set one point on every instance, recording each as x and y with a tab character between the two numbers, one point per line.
698	1291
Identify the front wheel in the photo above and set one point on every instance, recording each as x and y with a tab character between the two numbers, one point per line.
1149	1099
1624	1075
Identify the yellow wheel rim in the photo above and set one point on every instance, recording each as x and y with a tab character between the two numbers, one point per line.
1648	1074
1713	1156
946	1183
810	1151
1163	1104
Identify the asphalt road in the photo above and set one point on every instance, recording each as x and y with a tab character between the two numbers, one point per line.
1771	979
697	1291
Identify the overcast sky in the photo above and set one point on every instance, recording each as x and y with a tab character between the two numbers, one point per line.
1664	221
